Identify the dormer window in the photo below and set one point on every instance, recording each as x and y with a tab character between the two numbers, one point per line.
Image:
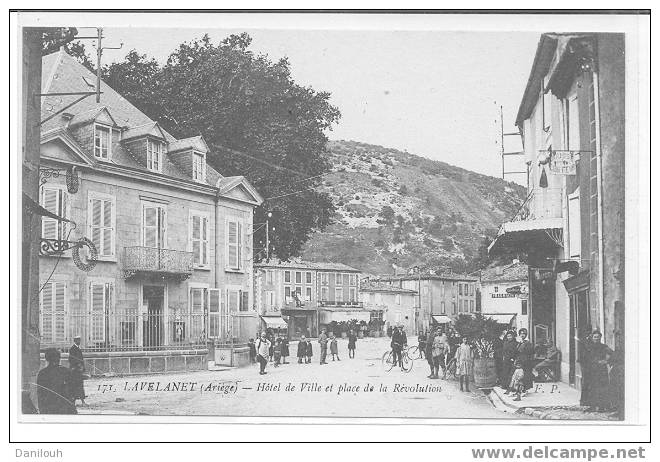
102	142
199	167
154	155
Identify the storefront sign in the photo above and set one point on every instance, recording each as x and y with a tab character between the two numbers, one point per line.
564	162
503	295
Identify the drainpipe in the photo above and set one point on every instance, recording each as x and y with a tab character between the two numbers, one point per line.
599	186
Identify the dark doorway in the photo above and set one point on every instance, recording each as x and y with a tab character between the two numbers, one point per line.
153	297
580	327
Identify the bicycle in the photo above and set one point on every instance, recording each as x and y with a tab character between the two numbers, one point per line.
415	352
406	361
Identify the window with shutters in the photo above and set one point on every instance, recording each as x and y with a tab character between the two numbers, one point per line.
199	167
287	276
351	294
154	225
102	142
339	294
397	299
325	294
234	300
54	200
214	313
298	277
199	238
442	308
308	294
100	303
52	315
101	219
353	280
337	279
287	294
154	155
269	277
234	240
308	278
324	279
270	300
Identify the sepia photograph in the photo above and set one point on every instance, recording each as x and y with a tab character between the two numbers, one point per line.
272	215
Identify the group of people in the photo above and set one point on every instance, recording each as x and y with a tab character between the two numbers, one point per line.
58	387
269	347
515	363
439	348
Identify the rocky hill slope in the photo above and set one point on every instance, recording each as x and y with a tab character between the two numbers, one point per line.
399	209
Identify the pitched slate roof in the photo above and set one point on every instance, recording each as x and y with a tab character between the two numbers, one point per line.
383	287
151	128
511	272
61	73
297	264
194	142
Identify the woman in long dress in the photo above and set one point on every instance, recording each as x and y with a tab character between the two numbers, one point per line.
464	363
509	354
596	359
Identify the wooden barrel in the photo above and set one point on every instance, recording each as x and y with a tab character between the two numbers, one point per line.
485	373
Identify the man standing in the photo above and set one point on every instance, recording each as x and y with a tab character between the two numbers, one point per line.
323	341
77	368
399	341
54	387
263	347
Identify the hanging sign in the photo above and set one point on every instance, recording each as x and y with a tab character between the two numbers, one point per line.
564	162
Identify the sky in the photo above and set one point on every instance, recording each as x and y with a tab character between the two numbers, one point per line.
433	93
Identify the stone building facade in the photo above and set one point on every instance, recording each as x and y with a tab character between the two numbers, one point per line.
173	273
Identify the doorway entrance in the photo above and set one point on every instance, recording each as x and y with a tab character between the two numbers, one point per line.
580	327
153	301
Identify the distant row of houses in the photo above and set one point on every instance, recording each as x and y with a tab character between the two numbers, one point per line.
301	298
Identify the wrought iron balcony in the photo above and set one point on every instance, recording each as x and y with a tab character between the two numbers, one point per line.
175	263
340	303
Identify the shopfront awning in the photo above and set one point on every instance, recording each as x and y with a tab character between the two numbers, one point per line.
274	322
501	318
329	315
441	319
523	234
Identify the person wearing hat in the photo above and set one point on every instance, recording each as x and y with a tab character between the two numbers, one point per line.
398	343
526	357
54	387
509	354
77	367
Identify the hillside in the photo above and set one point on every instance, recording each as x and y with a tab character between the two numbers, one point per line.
396	208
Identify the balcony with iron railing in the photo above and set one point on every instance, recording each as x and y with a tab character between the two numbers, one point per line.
340	304
175	263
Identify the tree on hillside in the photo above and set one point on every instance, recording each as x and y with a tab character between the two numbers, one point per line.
257	121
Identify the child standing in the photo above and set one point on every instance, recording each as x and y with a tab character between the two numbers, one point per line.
277	352
464	364
333	346
517	385
352	339
308	352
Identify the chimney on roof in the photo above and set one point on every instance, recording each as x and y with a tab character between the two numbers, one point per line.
515	261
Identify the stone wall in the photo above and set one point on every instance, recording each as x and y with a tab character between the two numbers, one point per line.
141	362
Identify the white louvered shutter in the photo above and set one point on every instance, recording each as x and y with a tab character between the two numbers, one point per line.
214	313
232	245
97	312
47	313
50	200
